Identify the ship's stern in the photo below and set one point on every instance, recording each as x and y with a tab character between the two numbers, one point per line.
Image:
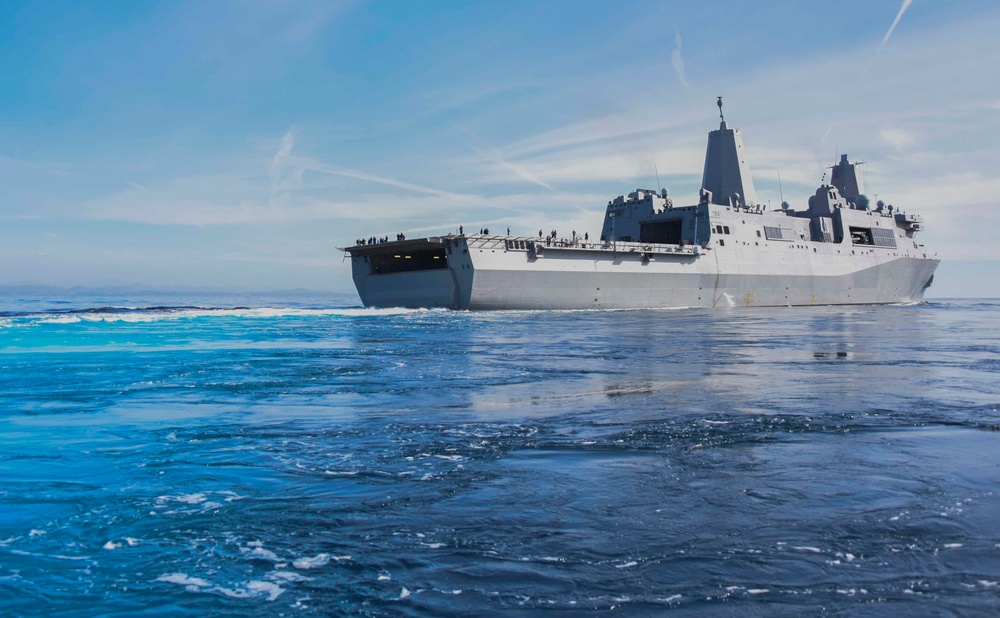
409	273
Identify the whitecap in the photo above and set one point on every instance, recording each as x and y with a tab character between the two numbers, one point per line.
405	592
112	545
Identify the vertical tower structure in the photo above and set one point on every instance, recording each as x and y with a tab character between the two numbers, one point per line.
845	178
727	174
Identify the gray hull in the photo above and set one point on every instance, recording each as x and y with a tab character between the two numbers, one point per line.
482	275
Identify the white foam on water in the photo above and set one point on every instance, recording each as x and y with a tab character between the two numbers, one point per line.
21	552
182	579
232	593
626	565
757	590
952	545
814	550
273	591
672	598
59	319
405	592
196	584
112	545
263	554
311	563
384	578
288	576
131	315
36	532
199	500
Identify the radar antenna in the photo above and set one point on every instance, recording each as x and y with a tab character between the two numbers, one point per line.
719	103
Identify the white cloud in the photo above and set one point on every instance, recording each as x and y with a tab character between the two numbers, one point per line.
897	138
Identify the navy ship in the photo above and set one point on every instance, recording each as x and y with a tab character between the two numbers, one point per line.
726	250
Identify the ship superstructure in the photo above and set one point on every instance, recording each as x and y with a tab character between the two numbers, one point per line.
726	250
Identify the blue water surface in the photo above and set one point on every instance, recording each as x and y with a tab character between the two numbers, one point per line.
299	455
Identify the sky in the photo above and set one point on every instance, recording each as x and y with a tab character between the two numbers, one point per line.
238	144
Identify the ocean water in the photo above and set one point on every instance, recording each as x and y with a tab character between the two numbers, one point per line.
235	456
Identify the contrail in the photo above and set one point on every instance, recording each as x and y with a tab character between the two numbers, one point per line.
494	155
336	170
885	39
677	61
895	22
